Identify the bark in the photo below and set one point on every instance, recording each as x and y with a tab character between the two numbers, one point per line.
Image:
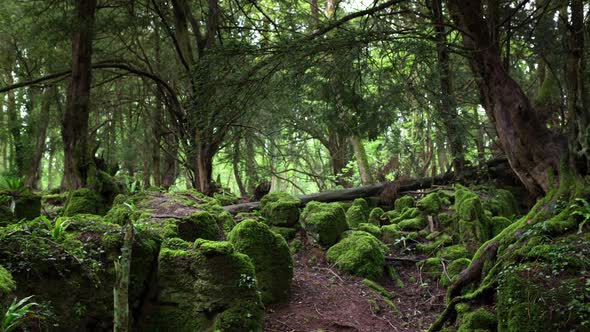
157	117
361	159
339	157
447	103
236	167
14	127
534	152
122	320
577	97
75	120
251	166
170	165
33	169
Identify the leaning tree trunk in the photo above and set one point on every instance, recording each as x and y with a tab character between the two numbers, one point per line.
75	120
534	152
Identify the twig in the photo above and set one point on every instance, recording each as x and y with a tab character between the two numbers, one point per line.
334	273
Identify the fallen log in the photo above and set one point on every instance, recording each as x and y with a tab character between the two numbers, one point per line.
349	194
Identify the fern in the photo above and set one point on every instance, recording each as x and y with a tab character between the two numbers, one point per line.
16	314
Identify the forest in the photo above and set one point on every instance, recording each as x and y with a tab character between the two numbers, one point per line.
294	165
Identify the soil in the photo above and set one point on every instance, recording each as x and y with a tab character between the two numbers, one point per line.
324	299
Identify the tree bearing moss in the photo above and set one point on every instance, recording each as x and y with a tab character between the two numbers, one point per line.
280	209
270	255
453	270
403	203
360	254
324	222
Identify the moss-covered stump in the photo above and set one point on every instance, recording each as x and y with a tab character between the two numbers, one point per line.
280	209
206	286
270	255
360	253
403	203
324	222
72	275
357	213
430	204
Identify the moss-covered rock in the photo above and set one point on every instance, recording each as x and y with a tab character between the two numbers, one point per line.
287	233
225	197
270	255
501	203
414	224
27	205
431	267
403	203
204	287
280	209
324	222
371	229
453	270
83	201
408	213
479	320
360	254
7	284
199	225
439	242
472	234
357	213
454	252
377	216
430	204
391	233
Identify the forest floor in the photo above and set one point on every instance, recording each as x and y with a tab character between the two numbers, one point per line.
322	299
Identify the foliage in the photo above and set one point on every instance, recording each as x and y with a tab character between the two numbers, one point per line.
57	228
16	313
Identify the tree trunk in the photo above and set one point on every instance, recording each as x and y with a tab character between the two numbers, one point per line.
77	158
157	117
361	159
14	127
251	166
447	103
170	165
534	152
236	167
33	169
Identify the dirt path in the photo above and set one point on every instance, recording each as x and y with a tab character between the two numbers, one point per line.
322	299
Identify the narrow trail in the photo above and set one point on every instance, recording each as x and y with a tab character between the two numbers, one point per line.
322	299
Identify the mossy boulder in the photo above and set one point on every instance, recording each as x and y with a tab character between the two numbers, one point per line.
403	203
280	209
270	255
324	222
408	213
360	253
206	286
357	213
199	225
430	204
370	228
413	224
479	320
391	233
377	216
83	201
27	205
287	233
472	234
7	284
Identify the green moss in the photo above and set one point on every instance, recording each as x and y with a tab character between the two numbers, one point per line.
27	205
295	246
454	252
360	254
391	215
357	214
287	233
430	248
501	203
478	320
391	233
403	203
430	204
7	284
430	267
453	270
377	216
208	287
498	223
408	213
470	209
377	288
324	222
270	255
370	228
472	234
225	197
198	225
83	201
414	224
280	209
